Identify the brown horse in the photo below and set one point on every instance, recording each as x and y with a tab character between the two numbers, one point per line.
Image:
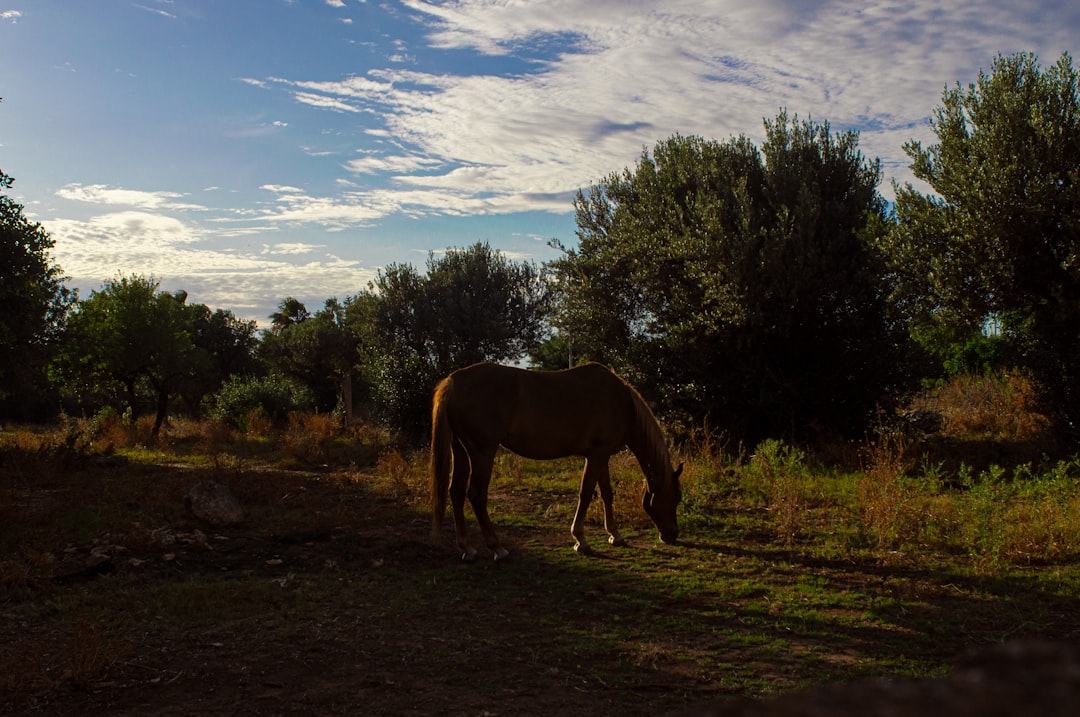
584	411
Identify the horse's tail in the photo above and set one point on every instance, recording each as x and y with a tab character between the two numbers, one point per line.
441	456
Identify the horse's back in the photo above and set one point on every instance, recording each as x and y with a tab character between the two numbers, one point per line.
540	414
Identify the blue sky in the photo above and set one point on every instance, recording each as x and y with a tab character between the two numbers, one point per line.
248	150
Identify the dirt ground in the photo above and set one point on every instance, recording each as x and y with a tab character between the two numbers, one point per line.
346	620
331	599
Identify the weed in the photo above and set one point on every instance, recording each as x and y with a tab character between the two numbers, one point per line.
886	499
779	472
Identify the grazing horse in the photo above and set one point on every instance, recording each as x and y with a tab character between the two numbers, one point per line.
585	411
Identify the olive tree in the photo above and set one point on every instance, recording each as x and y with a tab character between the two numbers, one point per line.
738	285
129	340
999	235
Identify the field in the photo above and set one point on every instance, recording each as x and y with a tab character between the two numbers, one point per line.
331	599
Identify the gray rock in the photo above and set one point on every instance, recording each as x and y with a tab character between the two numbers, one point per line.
214	504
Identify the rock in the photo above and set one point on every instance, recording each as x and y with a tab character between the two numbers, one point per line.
214	504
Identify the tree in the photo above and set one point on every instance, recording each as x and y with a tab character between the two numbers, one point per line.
738	285
225	347
35	303
319	351
290	311
999	237
126	334
473	304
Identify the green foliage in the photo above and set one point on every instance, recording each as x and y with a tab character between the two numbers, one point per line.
402	384
35	303
129	341
274	396
740	286
319	351
1000	235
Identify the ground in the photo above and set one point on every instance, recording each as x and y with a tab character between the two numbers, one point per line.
332	599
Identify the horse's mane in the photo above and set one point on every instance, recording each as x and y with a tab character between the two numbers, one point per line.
648	442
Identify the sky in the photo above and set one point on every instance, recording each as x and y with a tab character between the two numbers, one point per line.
249	150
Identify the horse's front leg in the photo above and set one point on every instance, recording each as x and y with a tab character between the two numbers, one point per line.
603	477
585	493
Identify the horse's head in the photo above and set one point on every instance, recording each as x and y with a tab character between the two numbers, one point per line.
661	504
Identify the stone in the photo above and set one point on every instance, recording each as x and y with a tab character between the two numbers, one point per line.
214	504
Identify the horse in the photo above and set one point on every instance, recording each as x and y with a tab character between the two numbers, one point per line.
586	411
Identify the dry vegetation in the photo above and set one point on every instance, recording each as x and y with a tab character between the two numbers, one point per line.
330	599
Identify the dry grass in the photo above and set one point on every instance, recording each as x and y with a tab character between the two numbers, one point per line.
887	501
996	407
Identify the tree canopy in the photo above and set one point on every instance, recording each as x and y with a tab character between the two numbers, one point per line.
473	304
739	283
999	236
35	302
128	338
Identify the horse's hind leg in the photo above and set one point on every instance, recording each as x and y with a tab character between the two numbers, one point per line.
603	478
588	485
483	462
459	486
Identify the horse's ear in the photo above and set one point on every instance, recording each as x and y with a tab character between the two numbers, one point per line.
678	472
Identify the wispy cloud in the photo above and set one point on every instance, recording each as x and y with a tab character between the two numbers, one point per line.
156	11
629	73
102	194
10	15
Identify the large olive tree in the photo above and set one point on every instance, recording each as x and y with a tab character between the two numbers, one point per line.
999	235
739	285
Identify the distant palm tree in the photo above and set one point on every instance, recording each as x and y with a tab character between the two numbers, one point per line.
290	311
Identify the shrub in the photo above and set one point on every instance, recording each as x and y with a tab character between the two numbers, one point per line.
274	396
992	406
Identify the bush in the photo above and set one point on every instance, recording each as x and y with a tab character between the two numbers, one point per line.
273	396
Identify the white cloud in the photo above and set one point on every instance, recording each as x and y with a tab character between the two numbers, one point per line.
372	165
12	15
103	194
610	77
249	282
291	248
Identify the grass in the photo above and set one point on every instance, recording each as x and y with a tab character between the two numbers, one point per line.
792	573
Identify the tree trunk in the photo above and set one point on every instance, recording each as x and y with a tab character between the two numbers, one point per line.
162	412
346	396
129	384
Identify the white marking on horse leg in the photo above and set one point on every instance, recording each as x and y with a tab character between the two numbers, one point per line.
616	539
501	553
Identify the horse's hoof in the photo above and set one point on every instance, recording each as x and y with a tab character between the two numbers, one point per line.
582	548
501	553
469	555
617	540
